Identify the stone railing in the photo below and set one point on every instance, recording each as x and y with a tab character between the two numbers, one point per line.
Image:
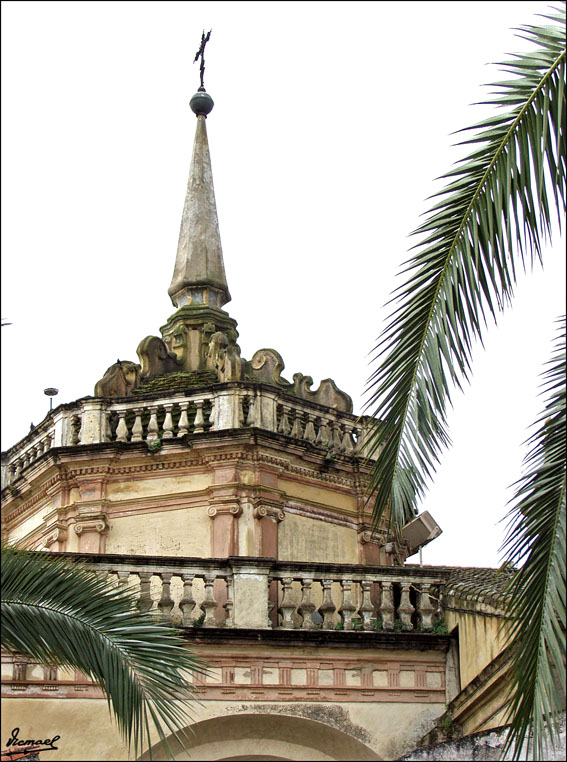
94	420
261	593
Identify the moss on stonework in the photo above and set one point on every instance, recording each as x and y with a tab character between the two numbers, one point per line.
177	381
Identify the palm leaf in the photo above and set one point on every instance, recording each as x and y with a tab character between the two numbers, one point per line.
536	538
59	612
490	217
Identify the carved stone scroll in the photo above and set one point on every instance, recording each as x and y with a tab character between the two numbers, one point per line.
155	358
120	380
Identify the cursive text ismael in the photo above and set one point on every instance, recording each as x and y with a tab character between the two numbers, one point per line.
48	744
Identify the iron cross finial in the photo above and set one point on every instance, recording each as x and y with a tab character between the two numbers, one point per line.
201	54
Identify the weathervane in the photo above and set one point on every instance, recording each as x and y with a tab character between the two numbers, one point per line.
201	53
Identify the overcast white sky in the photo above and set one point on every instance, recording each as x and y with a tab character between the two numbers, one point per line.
331	122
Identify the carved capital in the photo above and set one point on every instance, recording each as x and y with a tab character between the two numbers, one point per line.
99	525
366	535
55	534
272	511
223	510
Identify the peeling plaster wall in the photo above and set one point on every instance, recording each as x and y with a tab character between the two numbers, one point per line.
305	539
483	746
183	532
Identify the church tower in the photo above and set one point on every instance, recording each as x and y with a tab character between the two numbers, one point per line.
234	501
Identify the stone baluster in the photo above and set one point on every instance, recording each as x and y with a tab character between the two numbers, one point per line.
284	426
347	445
137	430
366	610
187	602
209	604
18	468
212	416
122	429
323	435
271	602
425	608
306	607
405	609
228	606
252	418
106	425
199	420
153	428
123	577
336	437
297	428
286	608
327	608
145	600
347	609
168	421
165	603
245	402
183	425
76	430
309	434
387	606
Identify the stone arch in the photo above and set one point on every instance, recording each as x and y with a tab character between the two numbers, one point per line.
270	736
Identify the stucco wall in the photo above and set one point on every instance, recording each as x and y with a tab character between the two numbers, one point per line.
182	532
305	539
300	730
481	639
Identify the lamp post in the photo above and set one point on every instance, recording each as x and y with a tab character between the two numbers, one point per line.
51	392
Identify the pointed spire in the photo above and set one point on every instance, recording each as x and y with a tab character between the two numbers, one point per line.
199	276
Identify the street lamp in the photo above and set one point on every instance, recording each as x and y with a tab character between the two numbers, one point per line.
51	392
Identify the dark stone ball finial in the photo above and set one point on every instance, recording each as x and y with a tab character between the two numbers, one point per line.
201	103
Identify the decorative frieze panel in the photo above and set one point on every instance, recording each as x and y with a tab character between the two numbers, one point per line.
266	677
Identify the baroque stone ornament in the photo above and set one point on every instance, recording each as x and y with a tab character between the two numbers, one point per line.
267	365
120	380
155	358
223	356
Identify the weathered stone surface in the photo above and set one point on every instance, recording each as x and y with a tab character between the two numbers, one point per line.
223	357
155	358
199	275
483	746
267	365
120	380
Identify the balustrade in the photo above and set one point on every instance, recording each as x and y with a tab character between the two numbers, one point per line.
202	596
235	592
155	421
96	420
365	602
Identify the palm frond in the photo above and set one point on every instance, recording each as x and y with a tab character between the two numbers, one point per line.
59	612
536	538
490	218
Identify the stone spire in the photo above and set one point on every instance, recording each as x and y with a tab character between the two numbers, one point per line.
199	277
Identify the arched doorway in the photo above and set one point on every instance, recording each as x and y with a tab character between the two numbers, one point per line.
273	736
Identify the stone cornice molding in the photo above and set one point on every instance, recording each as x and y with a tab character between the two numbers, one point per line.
323	514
